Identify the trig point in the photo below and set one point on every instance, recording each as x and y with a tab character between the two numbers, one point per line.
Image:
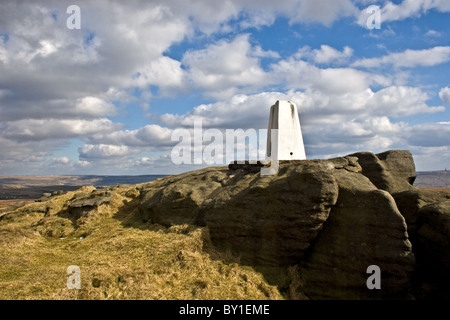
289	140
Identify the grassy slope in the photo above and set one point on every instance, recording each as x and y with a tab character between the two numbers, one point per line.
119	257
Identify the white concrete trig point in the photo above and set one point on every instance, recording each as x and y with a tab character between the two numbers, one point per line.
288	143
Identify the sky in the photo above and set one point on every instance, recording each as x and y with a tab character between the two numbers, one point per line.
105	92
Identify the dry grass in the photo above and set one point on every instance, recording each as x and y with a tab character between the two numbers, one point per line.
7	204
119	257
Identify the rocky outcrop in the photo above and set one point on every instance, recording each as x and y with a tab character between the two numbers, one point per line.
410	202
268	220
272	220
180	199
393	171
66	213
364	228
434	236
427	213
325	215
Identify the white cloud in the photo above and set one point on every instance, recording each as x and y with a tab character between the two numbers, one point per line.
408	58
92	106
257	51
327	54
428	135
433	33
163	72
398	101
40	129
52	71
91	62
145	161
27	151
225	64
368	110
444	94
151	135
296	73
60	161
406	9
24	107
324	11
83	164
331	80
211	15
382	125
102	151
240	111
412	8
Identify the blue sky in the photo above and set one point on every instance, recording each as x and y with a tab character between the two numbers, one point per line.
106	99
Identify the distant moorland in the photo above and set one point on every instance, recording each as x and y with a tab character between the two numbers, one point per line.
433	179
32	187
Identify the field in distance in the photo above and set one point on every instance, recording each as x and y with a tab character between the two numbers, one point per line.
81	180
32	187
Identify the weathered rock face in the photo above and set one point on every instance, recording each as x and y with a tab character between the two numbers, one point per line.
434	235
410	202
268	220
179	199
326	215
428	213
271	220
364	228
393	171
